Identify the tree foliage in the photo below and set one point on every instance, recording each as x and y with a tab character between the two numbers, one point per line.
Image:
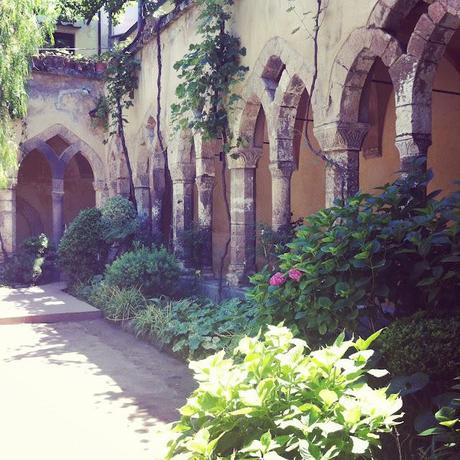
21	35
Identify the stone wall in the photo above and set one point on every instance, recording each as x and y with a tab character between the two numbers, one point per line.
387	91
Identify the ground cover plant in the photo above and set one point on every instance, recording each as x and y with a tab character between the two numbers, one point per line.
194	328
356	262
276	399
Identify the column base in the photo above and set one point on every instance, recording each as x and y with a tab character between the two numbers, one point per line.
238	275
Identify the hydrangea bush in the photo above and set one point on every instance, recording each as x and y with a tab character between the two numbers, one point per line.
277	400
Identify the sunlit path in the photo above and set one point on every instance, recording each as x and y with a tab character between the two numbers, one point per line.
84	390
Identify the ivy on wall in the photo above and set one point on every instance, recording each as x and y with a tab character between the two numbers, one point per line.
21	35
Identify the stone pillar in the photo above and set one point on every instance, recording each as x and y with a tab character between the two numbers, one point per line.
183	185
57	203
341	144
413	152
8	220
205	185
101	191
156	199
243	214
281	172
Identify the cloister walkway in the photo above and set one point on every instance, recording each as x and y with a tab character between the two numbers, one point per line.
85	390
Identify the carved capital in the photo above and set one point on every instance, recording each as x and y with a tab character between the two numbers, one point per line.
205	183
282	169
183	173
242	158
413	145
341	136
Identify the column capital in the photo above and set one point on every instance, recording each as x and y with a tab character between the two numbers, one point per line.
340	136
57	186
205	182
244	158
183	173
282	169
413	145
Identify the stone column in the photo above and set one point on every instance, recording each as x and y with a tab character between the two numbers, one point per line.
281	172
205	185
156	199
341	144
101	191
57	203
413	152
8	220
243	216
183	185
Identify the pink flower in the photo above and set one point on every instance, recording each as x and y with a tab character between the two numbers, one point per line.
295	274
277	279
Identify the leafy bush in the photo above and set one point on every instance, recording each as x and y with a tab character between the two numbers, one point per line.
274	401
272	243
119	219
195	328
398	250
445	435
154	271
82	251
26	266
424	342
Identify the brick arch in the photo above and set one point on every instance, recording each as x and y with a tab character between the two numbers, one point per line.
414	72
352	67
272	81
284	119
388	14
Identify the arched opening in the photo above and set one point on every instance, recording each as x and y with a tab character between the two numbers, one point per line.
33	197
308	179
379	157
78	187
443	156
263	181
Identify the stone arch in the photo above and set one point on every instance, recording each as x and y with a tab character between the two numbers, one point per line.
388	14
414	72
351	70
58	162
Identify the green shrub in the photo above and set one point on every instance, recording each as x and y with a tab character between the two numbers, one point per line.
444	436
82	251
26	266
154	271
124	304
194	328
425	342
351	261
119	220
274	401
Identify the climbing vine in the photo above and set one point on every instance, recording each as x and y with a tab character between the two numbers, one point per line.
21	35
208	73
122	81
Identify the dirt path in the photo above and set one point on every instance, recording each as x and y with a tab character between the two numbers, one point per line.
85	391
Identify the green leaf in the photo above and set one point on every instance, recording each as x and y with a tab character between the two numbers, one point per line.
360	446
329	397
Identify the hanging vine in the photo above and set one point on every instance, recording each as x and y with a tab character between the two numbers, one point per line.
21	35
208	72
122	81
